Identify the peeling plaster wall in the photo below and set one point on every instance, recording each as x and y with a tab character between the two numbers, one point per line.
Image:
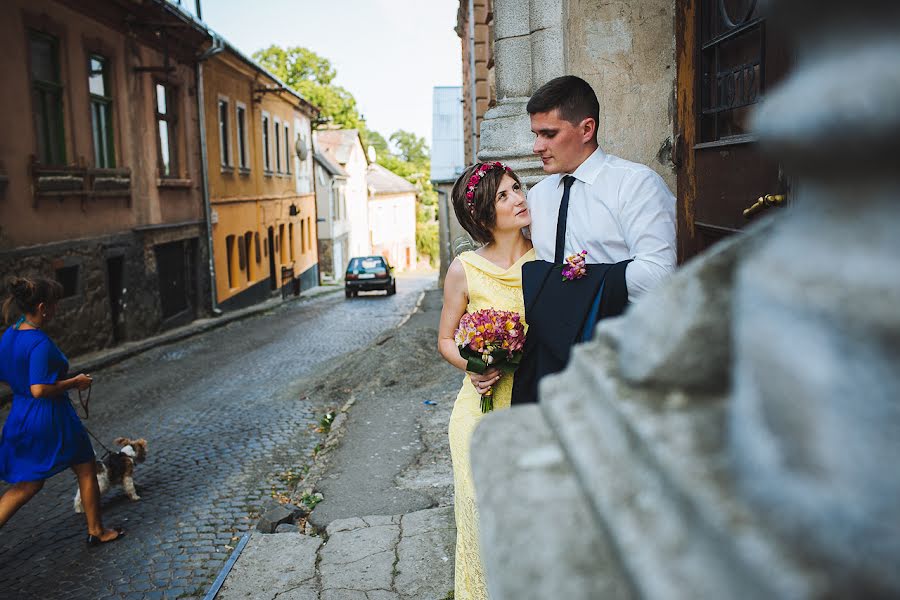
626	51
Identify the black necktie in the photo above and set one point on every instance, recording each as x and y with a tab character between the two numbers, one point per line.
568	180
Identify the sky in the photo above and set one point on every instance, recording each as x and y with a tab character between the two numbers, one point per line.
388	53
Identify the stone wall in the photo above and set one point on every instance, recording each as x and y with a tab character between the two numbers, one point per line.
626	51
84	320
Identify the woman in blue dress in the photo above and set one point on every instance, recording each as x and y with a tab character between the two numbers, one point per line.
42	434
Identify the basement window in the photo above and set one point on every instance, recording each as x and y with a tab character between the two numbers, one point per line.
68	277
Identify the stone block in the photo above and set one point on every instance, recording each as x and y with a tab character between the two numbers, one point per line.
518	468
274	562
359	559
680	334
545	14
425	554
511	19
514	80
548	59
275	515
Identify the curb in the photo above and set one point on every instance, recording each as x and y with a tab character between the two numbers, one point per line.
308	484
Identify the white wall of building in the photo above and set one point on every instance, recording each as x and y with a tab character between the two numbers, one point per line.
392	218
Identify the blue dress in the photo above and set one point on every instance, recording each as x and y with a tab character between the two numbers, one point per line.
41	436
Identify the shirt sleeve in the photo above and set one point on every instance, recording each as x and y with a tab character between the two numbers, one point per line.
43	364
648	226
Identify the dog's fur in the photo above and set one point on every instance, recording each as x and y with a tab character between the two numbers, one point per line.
118	468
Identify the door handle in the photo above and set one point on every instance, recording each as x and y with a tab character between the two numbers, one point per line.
763	203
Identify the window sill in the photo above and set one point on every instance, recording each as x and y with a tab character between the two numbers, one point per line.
268	173
244	172
172	182
226	169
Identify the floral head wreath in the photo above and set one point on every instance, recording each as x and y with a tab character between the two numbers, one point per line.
476	177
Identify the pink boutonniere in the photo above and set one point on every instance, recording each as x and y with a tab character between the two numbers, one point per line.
574	267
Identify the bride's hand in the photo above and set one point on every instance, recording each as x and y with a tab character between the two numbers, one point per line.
484	381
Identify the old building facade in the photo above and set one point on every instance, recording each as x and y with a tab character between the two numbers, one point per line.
100	162
261	186
334	222
392	217
475	28
676	84
344	148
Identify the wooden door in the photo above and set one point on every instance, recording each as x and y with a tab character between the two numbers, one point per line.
728	57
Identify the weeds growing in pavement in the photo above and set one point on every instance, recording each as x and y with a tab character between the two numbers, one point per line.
326	421
310	500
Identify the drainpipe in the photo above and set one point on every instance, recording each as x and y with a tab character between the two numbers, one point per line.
217	46
472	79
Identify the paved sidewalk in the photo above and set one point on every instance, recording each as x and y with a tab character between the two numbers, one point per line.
385	529
400	557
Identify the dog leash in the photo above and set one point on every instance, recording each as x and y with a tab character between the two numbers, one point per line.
85	403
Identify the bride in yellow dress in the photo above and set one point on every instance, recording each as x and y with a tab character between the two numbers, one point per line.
490	204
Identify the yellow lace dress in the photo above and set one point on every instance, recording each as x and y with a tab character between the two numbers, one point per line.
489	287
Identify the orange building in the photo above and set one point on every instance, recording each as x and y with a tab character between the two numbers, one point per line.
262	195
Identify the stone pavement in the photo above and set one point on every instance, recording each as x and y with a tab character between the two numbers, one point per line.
399	557
385	529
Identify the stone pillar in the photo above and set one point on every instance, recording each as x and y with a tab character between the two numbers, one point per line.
529	48
734	435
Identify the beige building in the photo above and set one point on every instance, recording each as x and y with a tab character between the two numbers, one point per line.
392	217
100	167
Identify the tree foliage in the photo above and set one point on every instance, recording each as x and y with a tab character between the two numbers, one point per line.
411	147
312	76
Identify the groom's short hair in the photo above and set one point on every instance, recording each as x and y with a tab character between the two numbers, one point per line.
573	96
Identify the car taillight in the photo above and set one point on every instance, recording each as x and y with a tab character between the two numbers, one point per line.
352	276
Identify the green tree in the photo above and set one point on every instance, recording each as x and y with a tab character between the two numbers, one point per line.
311	75
377	141
412	148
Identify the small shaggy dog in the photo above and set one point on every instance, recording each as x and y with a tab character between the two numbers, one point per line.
118	468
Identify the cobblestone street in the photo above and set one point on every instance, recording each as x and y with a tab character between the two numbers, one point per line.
226	417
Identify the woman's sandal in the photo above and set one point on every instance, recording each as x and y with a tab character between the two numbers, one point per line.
94	540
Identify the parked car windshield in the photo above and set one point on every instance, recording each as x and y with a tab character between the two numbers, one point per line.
366	264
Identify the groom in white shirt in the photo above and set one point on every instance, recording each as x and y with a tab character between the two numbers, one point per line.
617	210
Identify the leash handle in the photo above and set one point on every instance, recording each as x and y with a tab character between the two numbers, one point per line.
85	401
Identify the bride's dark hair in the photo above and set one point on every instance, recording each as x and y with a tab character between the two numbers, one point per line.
478	214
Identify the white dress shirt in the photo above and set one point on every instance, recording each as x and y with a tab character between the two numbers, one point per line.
617	210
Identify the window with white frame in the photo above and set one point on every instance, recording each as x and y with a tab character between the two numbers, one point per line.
242	146
225	158
101	111
287	148
267	147
277	145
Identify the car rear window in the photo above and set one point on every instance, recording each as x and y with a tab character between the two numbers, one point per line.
367	264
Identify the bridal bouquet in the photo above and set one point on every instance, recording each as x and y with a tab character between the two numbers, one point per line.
490	338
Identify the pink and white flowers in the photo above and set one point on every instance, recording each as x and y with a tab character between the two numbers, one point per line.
574	266
490	337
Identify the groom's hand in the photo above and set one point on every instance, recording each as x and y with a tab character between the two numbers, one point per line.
484	381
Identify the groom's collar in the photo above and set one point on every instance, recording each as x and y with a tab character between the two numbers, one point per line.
588	170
